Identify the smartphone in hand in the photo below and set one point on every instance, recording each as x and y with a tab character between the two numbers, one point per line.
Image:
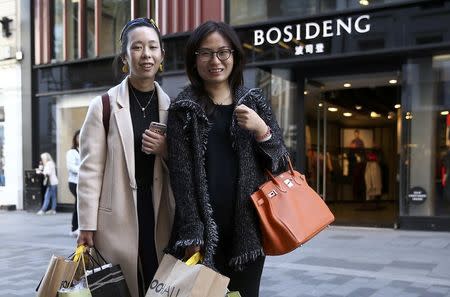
159	128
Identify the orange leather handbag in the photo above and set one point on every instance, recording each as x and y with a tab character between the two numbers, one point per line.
290	212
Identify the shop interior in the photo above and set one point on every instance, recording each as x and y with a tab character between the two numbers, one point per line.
352	137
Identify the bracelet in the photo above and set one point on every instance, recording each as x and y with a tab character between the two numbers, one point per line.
265	136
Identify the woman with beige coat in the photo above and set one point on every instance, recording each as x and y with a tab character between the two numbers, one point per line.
125	206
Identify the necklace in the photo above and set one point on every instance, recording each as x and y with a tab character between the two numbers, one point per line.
139	103
220	102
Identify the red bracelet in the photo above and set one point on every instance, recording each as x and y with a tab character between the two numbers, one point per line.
265	135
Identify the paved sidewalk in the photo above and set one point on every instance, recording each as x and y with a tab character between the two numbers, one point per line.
341	261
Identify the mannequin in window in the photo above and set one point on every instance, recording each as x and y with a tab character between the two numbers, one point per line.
372	178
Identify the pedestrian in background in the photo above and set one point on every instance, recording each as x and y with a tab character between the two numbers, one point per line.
51	182
221	135
73	166
124	206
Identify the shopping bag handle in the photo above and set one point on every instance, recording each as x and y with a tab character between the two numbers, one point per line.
194	259
99	255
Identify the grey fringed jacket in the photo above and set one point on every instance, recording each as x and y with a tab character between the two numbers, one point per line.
187	136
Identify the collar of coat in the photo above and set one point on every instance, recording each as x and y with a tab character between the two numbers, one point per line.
189	100
120	92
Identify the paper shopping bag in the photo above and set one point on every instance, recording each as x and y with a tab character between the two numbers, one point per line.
105	279
75	293
233	294
175	278
60	272
108	281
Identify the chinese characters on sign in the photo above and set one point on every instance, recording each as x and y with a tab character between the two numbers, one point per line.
309	49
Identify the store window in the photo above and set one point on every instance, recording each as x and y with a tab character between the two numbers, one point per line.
281	91
2	146
58	29
250	11
426	149
72	29
115	14
90	28
45	121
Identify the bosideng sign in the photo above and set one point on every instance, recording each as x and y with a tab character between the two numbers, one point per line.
312	30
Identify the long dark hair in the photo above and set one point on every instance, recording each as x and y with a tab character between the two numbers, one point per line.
236	77
75	143
139	22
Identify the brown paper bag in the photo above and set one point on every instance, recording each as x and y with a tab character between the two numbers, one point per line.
176	279
60	272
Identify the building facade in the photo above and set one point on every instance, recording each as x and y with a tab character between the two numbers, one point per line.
75	44
14	105
360	89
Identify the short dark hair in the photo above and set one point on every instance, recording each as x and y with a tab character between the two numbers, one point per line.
139	22
236	78
75	143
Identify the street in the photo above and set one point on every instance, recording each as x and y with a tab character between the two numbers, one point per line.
341	261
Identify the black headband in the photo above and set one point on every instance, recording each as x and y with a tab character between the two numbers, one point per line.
138	21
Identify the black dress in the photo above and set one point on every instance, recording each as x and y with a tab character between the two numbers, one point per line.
222	167
144	179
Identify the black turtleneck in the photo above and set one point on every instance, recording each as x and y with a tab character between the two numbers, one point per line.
143	163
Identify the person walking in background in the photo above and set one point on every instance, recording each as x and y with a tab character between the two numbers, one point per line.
221	135
51	181
124	202
73	166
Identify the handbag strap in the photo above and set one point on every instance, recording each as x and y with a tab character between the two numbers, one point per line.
274	180
106	112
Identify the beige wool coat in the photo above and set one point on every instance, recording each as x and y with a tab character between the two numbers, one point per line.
107	185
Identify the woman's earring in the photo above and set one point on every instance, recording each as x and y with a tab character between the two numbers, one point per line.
125	68
161	68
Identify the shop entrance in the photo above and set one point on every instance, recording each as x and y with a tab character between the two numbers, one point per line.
352	136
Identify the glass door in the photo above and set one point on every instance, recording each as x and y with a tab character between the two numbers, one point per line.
351	144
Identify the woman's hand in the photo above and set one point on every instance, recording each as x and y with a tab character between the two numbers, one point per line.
86	238
154	143
248	119
190	251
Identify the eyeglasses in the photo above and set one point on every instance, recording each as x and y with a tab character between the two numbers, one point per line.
206	55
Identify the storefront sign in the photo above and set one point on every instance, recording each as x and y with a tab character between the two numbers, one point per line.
310	31
417	195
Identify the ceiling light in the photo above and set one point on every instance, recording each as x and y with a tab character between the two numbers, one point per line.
364	2
347	85
347	114
320	104
358	107
373	114
305	92
391	115
408	116
393	81
445	112
332	109
397	106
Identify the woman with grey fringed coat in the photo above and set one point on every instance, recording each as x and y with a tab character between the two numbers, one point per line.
221	136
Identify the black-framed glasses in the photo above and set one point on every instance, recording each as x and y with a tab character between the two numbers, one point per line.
206	55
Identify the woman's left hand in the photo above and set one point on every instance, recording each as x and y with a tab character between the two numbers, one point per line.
154	143
248	119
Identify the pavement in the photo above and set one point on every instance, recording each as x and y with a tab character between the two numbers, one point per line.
340	261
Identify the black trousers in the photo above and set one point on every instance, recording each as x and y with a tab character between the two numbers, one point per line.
247	281
147	250
73	190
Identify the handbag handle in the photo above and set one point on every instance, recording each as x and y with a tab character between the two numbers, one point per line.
274	180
